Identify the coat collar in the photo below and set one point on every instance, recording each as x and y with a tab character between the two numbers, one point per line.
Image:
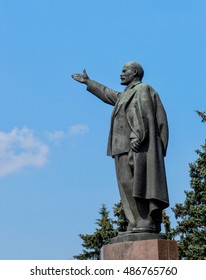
132	84
127	94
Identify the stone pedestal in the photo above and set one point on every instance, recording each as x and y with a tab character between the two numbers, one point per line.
154	249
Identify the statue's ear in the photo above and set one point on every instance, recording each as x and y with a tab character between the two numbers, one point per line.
135	72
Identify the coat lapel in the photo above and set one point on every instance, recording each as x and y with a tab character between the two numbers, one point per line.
129	91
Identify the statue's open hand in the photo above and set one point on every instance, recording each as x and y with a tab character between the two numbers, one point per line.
82	78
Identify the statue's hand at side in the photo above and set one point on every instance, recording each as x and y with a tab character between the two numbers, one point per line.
82	78
135	145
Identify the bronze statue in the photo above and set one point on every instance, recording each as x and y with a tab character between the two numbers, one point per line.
138	142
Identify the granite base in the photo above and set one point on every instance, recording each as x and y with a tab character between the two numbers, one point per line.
154	249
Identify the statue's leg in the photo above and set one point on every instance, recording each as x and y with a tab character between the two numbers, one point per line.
137	210
125	184
148	209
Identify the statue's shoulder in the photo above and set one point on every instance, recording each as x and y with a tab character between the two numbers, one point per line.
147	88
143	86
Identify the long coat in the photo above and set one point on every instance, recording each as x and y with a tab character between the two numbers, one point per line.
148	122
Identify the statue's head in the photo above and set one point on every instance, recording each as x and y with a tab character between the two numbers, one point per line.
132	71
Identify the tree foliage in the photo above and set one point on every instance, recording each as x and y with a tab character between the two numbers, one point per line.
191	215
167	224
202	115
102	235
121	222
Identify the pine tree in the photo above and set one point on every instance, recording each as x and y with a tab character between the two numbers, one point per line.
202	115
167	224
102	235
121	221
191	226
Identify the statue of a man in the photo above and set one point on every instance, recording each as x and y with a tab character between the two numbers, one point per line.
138	142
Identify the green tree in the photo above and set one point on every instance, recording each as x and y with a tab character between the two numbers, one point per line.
202	115
102	235
167	224
191	215
121	221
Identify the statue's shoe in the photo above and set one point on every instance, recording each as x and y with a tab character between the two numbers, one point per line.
145	229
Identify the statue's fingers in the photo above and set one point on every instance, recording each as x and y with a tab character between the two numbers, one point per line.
135	146
85	73
76	76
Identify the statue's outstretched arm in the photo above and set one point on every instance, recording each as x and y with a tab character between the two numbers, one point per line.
104	93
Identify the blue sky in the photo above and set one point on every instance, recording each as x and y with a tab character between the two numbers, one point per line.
54	172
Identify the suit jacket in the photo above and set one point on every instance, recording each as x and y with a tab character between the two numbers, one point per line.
148	122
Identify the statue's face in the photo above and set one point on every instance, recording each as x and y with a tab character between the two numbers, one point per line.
128	74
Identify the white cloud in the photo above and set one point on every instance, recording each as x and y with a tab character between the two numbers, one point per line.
73	131
78	130
55	136
20	148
